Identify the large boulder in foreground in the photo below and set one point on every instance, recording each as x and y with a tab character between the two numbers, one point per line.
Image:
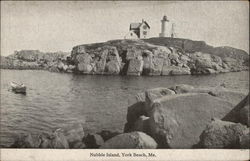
176	121
133	140
176	116
223	134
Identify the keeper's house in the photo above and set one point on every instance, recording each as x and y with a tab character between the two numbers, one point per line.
138	30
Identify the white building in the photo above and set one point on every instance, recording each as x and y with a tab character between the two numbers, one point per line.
167	28
138	30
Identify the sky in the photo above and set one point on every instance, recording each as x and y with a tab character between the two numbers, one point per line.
51	26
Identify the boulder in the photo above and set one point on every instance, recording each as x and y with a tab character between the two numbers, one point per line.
45	141
141	124
182	88
173	118
133	140
152	94
27	141
139	97
240	113
78	145
74	133
93	140
133	113
229	95
222	134
59	141
244	140
106	134
245	115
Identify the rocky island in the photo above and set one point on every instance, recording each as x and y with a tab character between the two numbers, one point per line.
175	117
153	56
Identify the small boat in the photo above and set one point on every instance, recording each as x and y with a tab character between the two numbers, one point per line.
18	88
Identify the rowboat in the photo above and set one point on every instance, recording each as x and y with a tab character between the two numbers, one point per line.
18	88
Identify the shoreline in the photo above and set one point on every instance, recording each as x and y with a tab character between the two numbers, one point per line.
77	73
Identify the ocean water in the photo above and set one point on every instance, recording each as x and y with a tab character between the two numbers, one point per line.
56	100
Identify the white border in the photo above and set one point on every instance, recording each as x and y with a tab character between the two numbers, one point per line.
83	155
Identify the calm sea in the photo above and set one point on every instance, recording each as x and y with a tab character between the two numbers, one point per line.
56	100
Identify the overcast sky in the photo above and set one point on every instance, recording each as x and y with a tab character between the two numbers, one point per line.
58	26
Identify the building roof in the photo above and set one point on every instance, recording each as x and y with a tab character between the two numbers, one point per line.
137	25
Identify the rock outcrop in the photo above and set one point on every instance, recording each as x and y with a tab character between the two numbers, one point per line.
154	56
34	59
176	116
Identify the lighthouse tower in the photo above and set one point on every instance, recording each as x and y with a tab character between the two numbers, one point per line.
166	27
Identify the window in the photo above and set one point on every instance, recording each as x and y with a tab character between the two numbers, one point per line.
144	32
131	34
145	27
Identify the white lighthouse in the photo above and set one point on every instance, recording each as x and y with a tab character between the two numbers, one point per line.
166	27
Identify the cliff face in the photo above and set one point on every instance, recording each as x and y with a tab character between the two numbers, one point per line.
154	56
157	56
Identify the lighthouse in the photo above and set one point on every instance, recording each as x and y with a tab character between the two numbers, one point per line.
166	27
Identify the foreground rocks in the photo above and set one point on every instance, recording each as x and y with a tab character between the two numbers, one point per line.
223	134
134	140
155	56
176	117
240	113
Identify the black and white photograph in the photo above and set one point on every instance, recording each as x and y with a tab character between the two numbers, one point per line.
159	75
